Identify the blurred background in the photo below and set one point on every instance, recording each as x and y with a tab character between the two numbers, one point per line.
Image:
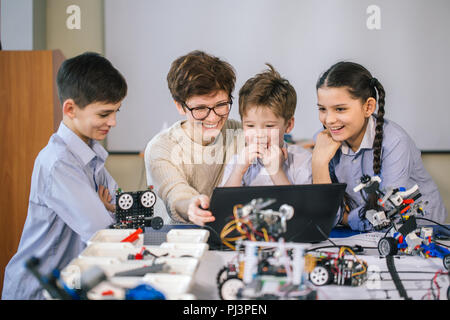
404	43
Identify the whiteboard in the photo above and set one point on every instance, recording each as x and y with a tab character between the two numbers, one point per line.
409	54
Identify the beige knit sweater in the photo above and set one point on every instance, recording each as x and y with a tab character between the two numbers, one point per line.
180	169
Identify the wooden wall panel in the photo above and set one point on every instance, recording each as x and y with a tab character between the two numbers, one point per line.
29	114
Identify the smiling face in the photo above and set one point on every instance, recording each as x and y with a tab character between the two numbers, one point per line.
209	128
91	122
263	127
344	116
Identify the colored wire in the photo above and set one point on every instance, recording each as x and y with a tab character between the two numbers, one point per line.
429	220
342	253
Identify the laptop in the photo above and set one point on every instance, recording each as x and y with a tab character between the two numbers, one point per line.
315	208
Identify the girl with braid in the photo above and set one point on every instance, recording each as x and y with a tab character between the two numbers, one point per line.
357	140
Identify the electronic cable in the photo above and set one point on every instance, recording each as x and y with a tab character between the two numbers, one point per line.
395	277
437	223
217	244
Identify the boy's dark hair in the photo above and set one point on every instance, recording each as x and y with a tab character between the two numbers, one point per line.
89	78
361	85
198	73
270	90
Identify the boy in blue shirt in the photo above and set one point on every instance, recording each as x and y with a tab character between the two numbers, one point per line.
70	196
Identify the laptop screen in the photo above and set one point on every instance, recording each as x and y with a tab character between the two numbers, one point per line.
315	208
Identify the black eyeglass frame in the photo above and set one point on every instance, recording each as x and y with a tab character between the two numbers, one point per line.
230	102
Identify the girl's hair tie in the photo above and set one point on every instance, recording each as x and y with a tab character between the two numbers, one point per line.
373	82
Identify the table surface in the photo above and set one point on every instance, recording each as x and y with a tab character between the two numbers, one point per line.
415	272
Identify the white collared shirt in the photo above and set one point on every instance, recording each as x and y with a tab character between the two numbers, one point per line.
64	210
367	141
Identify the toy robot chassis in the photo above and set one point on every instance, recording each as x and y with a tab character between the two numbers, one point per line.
135	210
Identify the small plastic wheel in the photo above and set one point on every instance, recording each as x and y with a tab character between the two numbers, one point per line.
387	246
148	199
229	288
320	276
222	275
446	261
157	223
125	201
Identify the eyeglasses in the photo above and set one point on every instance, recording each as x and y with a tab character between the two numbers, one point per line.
201	113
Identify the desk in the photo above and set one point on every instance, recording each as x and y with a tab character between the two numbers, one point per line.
422	278
415	272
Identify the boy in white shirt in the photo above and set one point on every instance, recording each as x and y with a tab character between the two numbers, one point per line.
267	105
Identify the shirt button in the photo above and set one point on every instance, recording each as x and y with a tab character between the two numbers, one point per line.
354	160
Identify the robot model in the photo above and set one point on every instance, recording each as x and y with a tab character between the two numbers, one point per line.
266	270
399	212
253	222
135	210
336	268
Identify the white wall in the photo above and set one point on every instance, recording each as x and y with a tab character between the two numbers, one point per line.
16	24
89	37
301	38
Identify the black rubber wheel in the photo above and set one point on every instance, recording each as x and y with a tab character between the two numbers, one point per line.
157	223
446	262
387	246
222	275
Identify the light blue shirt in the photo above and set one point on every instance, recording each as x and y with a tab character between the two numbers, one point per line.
401	166
297	167
64	210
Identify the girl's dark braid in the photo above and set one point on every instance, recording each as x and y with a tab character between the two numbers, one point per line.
378	127
372	202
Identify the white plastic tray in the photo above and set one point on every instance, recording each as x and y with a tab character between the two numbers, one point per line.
174	287
72	273
188	235
115	236
169	283
122	250
109	250
197	250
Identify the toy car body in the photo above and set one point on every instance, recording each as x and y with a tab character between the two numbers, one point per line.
418	242
336	268
135	210
266	270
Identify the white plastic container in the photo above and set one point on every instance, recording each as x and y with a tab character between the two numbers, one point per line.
71	274
115	289
169	283
186	266
166	250
196	250
116	236
119	250
188	235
